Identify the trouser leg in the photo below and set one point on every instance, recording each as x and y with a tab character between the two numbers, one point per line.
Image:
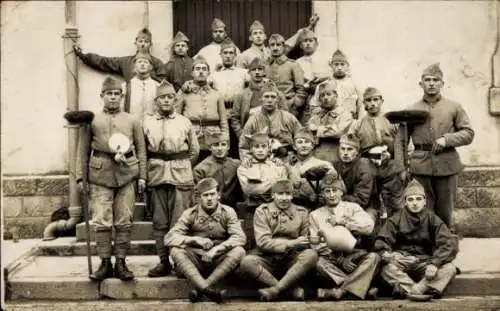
444	276
188	264
358	282
303	263
162	201
391	188
226	264
393	274
257	268
123	207
327	268
445	188
101	202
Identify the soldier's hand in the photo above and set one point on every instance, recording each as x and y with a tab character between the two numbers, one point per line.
439	145
301	242
404	176
202	242
141	185
387	257
348	266
430	272
246	161
77	49
82	187
212	253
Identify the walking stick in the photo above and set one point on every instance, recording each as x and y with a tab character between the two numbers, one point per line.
83	120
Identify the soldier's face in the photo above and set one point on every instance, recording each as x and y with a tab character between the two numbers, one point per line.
277	48
219	34
373	104
309	46
283	199
269	101
339	69
112	98
257	74
347	153
209	200
258	37
181	48
219	149
415	203
142	66
201	72
143	44
332	196
431	85
260	151
328	98
303	146
228	55
166	103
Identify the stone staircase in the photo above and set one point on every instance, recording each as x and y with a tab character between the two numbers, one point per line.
57	270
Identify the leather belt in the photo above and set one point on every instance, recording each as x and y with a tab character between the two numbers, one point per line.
103	154
428	147
168	157
205	122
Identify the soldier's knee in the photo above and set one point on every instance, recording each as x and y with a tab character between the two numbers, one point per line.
237	252
308	257
249	263
177	252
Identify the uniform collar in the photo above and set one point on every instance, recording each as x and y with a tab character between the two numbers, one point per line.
431	99
216	215
111	111
227	68
159	116
278	60
276	211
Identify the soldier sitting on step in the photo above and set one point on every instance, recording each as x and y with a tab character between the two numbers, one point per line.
417	249
207	239
281	231
115	153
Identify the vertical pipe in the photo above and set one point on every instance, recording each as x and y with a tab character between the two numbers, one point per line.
145	21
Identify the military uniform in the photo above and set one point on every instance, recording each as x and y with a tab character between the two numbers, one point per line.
221	227
179	67
112	181
334	264
438	172
223	171
123	66
329	126
172	147
416	241
275	230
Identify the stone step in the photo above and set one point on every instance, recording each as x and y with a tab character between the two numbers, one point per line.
48	277
141	230
71	247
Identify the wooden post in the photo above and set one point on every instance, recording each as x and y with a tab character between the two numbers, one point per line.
494	94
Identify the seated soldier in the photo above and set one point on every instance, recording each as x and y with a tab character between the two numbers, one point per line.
206	238
303	170
329	123
417	249
357	174
376	138
337	223
222	168
257	177
281	230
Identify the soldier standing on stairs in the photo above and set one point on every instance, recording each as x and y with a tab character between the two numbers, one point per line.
123	66
114	151
207	239
172	149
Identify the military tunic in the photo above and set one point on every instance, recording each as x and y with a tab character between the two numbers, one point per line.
438	172
140	96
178	70
330	263
247	56
224	172
211	53
329	126
358	177
349	97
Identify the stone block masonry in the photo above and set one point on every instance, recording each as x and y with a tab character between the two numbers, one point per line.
28	202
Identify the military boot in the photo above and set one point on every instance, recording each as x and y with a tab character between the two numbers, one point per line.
121	270
105	270
162	269
215	295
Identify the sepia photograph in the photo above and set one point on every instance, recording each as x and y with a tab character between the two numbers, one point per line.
236	155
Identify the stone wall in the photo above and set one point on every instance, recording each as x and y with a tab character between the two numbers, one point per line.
29	202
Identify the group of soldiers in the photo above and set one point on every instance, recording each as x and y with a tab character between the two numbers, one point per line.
268	168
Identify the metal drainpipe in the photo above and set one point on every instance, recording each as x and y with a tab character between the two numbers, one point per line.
70	37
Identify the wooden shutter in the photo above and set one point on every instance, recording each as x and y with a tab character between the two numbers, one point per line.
194	18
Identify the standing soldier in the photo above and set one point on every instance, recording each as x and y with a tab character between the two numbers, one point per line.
302	164
286	74
349	95
222	168
229	80
248	102
203	106
211	52
329	123
416	243
332	226
123	66
257	175
279	125
117	158
172	149
435	162
141	89
178	69
207	238
375	132
281	231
